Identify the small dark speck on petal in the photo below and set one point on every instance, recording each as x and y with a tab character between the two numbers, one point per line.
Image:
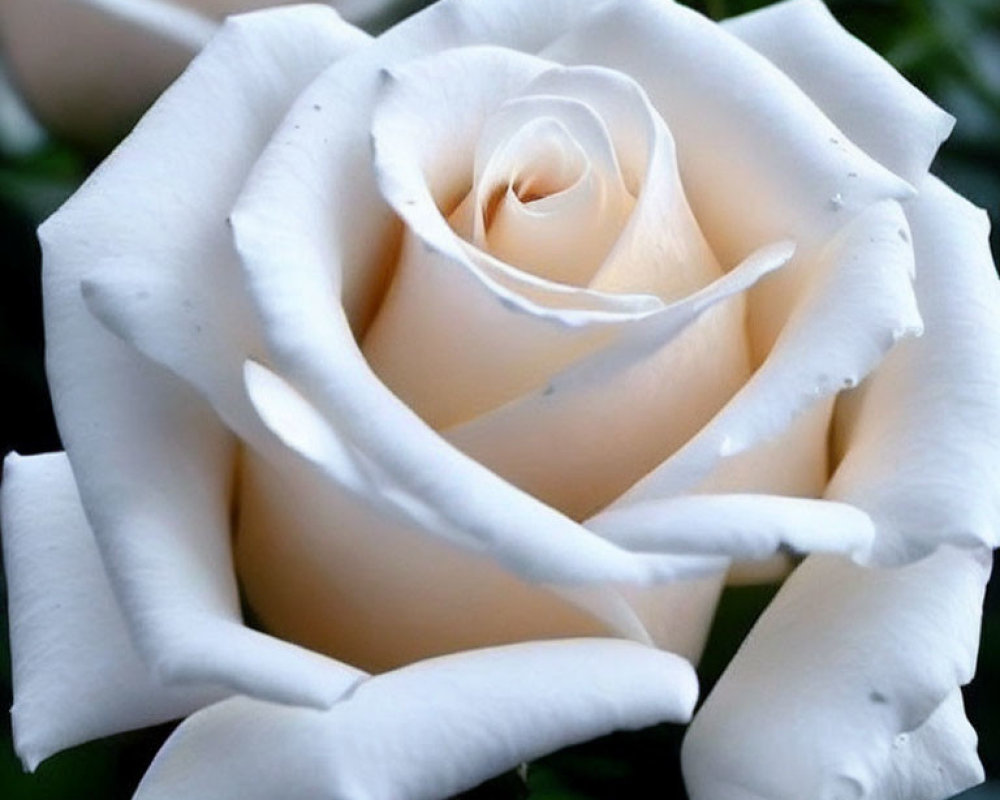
904	235
317	107
852	174
878	697
549	390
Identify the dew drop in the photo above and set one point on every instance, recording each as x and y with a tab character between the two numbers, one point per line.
837	201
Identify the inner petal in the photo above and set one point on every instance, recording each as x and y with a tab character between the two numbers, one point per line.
548	195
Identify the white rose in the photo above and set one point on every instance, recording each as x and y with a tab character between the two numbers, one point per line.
523	321
89	68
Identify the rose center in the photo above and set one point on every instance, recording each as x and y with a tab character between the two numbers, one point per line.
548	196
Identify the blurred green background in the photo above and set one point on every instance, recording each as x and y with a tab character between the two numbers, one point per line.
949	48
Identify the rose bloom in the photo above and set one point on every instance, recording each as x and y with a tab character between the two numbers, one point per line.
89	68
474	359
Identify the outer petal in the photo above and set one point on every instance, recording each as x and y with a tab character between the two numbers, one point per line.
77	675
838	690
426	731
920	441
878	109
153	462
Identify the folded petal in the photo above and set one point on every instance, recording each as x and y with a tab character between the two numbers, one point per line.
878	109
319	547
462	503
919	443
153	462
846	687
317	245
77	675
858	305
589	432
426	731
750	526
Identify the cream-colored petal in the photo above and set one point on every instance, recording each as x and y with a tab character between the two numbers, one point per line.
858	307
591	431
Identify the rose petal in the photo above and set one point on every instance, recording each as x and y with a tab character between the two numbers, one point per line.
317	245
845	664
859	305
426	731
920	441
344	575
878	109
508	342
750	526
513	335
454	503
189	311
77	675
159	505
650	388
435	599
935	760
760	161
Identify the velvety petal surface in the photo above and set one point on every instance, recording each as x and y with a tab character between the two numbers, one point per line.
875	106
77	675
846	687
426	731
154	463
